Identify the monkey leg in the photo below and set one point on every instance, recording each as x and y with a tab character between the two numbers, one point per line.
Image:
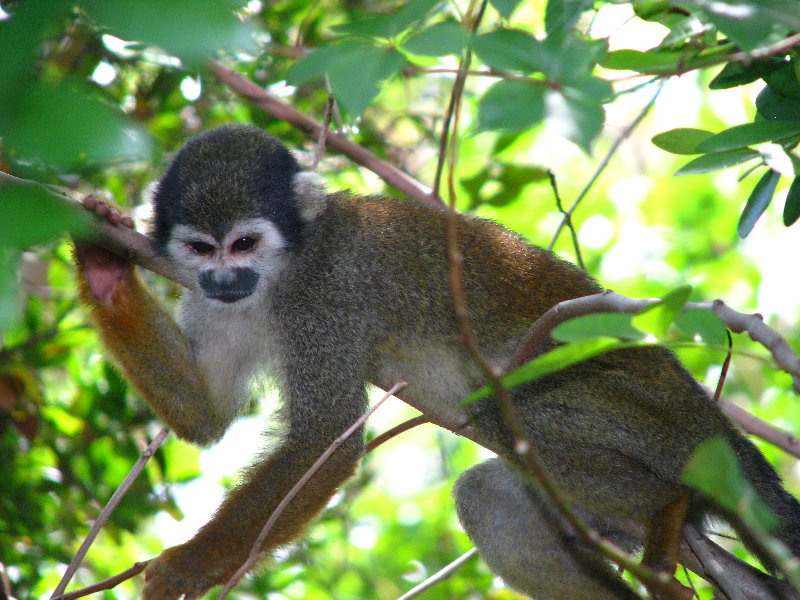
519	536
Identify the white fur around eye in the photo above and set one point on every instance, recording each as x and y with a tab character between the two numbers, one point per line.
311	197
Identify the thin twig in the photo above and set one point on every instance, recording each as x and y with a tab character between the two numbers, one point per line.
106	584
323	133
395	431
108	509
439	576
568	219
604	163
256	552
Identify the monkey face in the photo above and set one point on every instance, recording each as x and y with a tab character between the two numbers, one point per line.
230	266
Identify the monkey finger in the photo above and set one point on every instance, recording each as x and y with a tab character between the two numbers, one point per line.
89	201
128	222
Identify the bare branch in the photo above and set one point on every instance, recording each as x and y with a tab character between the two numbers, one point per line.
609	301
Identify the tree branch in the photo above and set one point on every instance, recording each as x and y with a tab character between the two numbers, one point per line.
280	109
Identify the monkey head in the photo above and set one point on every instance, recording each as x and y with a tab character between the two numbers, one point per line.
226	210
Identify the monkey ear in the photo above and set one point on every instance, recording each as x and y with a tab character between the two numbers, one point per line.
309	190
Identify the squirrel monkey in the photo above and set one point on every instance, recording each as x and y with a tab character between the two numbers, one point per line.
326	293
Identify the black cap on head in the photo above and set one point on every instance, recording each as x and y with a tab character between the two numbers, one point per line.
224	175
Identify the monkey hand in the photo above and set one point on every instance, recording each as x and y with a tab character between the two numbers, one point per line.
186	570
102	269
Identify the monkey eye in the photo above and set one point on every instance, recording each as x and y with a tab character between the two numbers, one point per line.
244	244
202	248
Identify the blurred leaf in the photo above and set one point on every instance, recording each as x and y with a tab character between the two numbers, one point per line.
89	132
784	80
560	15
613	325
716	161
369	66
182	461
714	470
791	210
29	215
683	140
776	107
741	136
505	7
511	105
440	39
555	360
314	65
658	318
508	50
749	24
703	323
577	116
757	203
656	62
735	74
211	28
388	25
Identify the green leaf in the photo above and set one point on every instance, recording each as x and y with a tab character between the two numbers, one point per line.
654	62
774	106
757	203
735	74
683	140
511	105
612	325
791	210
191	31
505	7
560	15
313	66
750	24
440	39
659	317
367	65
741	136
555	360
20	36
508	50
66	127
716	161
714	470
703	323
576	116
182	461
345	63
29	216
785	80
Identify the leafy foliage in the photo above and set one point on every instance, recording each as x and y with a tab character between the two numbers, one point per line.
96	96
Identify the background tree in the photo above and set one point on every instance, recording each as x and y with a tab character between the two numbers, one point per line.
95	96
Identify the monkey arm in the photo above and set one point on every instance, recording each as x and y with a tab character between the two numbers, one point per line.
149	347
223	544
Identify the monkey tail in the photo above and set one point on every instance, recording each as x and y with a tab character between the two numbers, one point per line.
769	487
